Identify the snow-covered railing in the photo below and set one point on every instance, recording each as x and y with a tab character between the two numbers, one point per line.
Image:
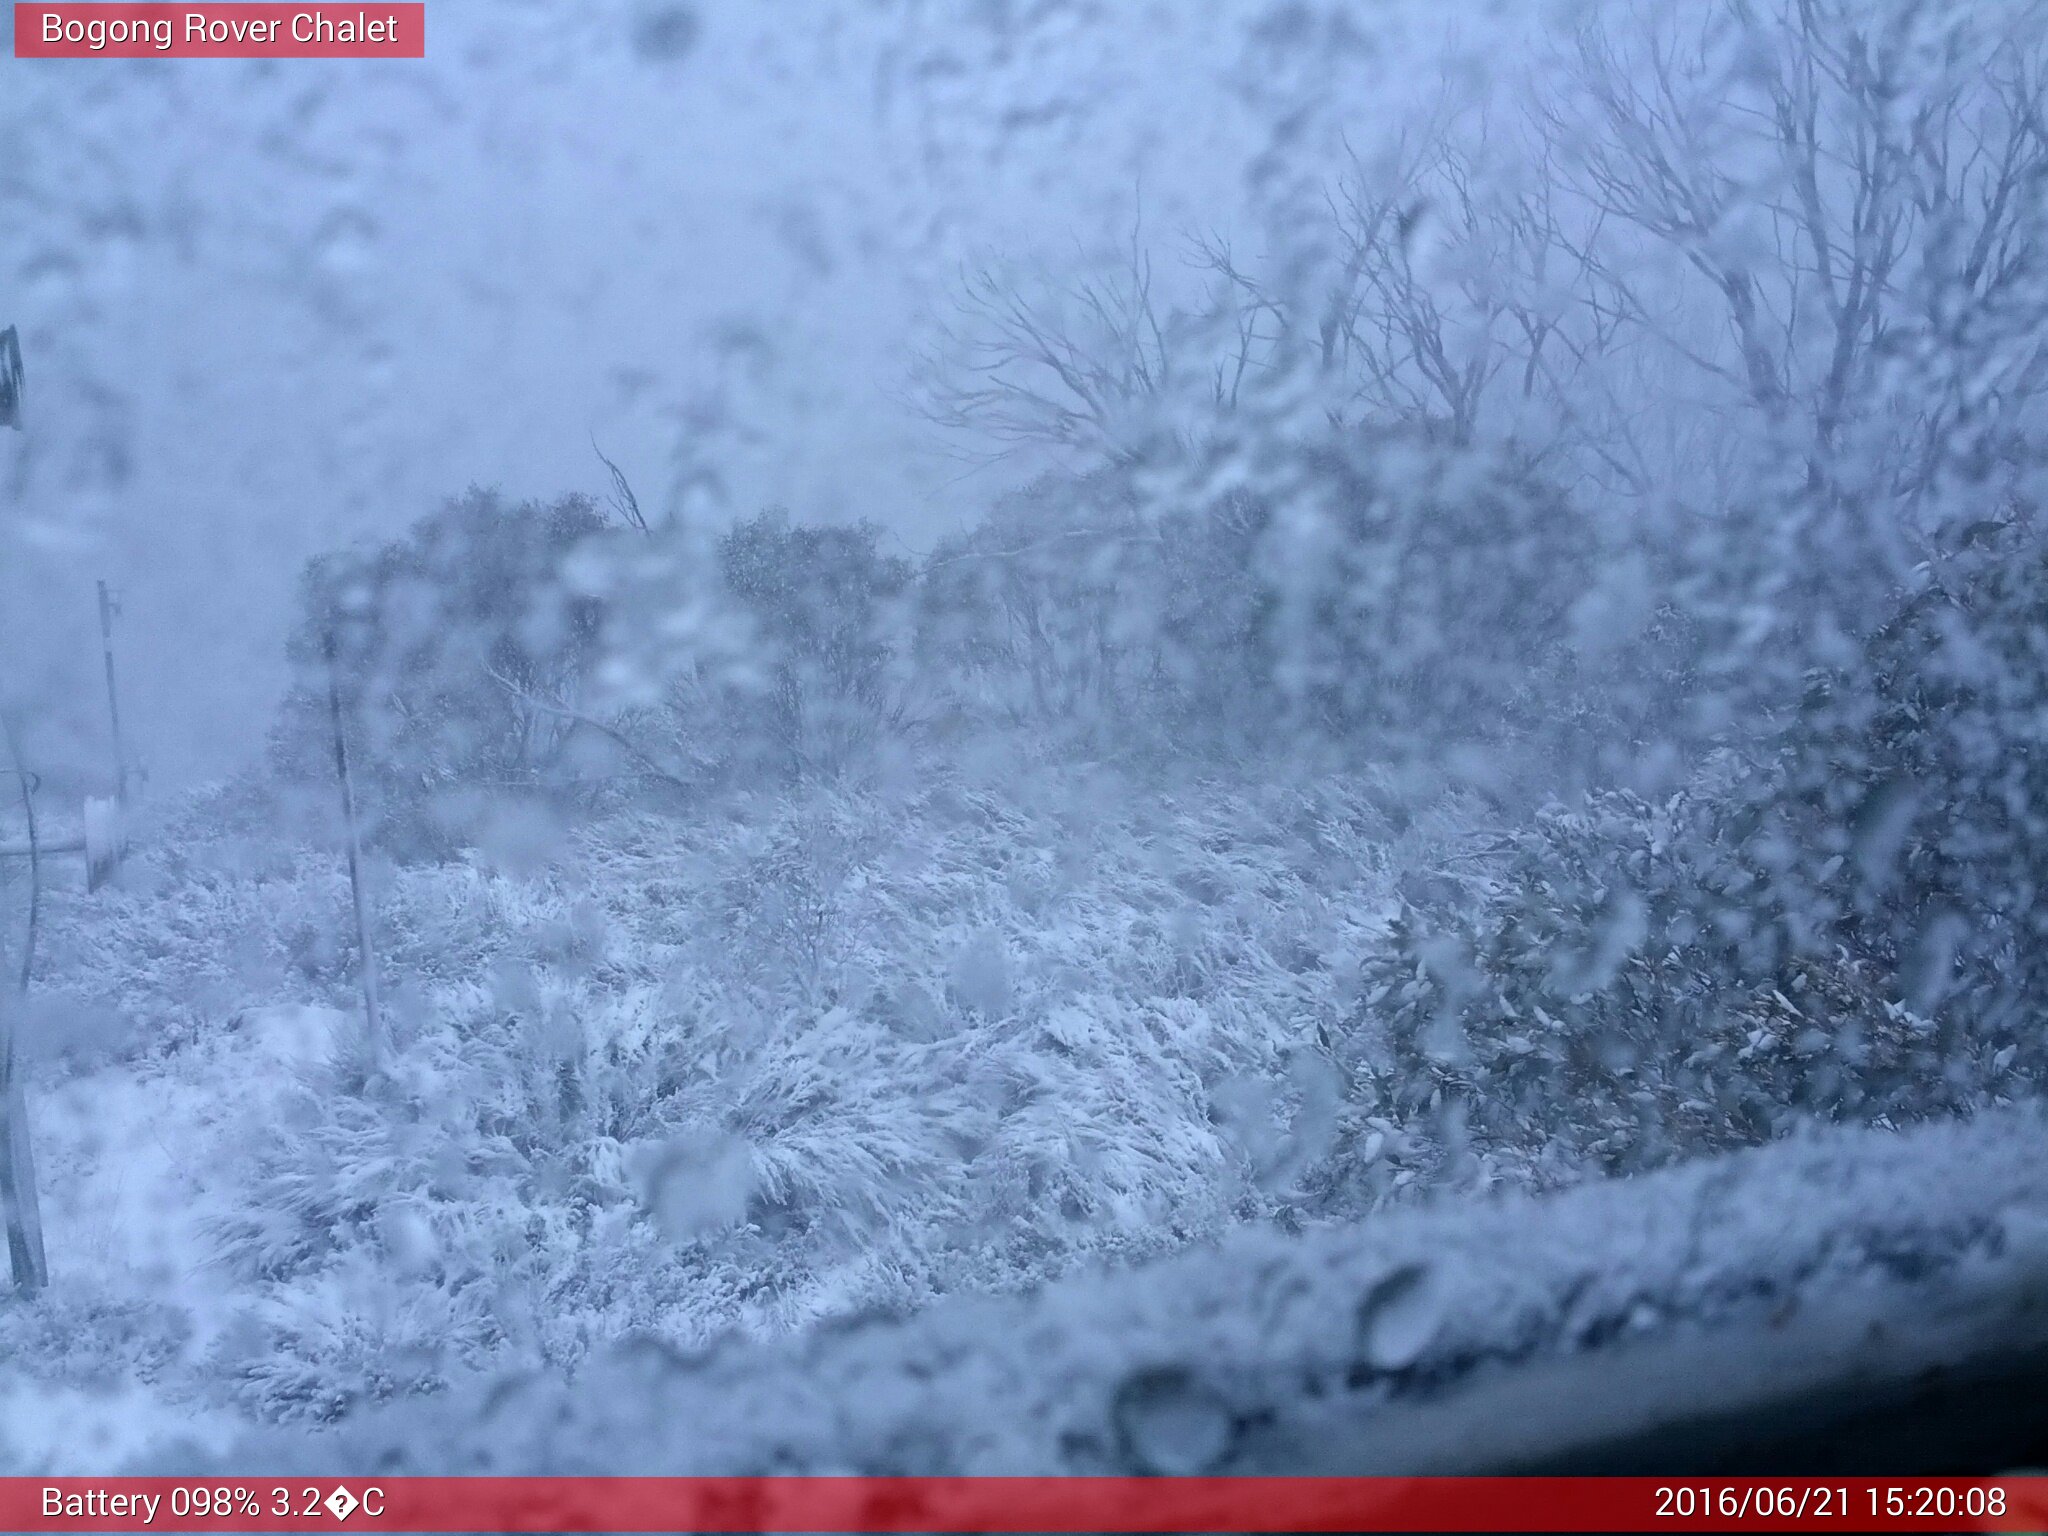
1800	1305
101	835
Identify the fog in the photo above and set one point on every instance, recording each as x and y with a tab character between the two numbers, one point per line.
277	309
1036	736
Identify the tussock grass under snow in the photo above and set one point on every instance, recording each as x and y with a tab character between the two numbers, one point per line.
781	1059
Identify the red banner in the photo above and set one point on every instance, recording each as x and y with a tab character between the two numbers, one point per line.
260	30
1017	1504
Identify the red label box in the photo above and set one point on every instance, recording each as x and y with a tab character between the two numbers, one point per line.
1153	1505
259	30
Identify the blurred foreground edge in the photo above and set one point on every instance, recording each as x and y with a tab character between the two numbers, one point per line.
1850	1301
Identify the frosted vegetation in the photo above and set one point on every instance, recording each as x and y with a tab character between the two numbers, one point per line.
1522	666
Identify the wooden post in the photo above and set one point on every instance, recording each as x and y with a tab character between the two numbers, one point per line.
365	948
103	841
10	378
18	1203
19	1211
19	1208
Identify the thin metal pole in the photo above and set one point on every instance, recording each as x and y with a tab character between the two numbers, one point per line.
373	1014
113	699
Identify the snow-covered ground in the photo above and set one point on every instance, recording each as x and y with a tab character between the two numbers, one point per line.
770	1113
137	1169
828	1053
1516	669
1464	1338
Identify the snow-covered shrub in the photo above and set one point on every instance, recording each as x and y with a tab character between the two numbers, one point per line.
457	655
1045	612
1907	788
1625	988
199	929
1419	589
185	940
829	610
1392	586
815	1055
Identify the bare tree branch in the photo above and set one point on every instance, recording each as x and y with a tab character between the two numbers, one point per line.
576	717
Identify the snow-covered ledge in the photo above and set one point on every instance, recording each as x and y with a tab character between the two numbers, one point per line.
1779	1303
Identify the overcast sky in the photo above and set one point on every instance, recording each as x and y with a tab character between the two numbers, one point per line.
273	308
